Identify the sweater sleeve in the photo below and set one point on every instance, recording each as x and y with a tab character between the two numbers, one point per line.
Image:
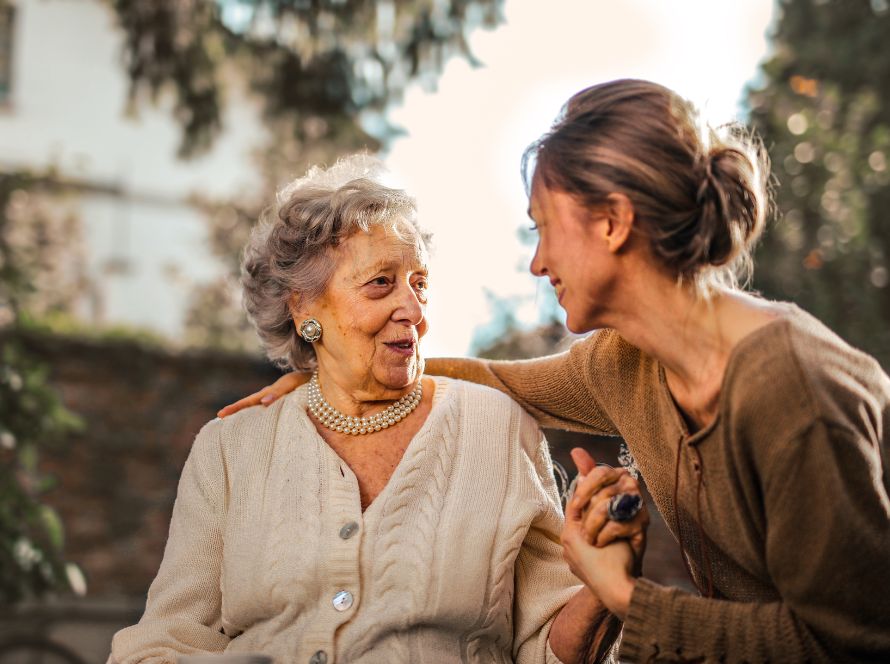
182	614
560	391
543	582
827	546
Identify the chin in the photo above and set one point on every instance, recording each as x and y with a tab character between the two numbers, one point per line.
397	378
576	326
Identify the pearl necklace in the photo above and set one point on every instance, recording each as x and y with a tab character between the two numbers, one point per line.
336	421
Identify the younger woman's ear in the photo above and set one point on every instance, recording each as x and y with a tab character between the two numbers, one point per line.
620	212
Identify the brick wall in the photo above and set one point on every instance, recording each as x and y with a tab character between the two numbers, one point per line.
116	481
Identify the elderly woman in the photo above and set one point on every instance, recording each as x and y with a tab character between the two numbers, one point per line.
373	515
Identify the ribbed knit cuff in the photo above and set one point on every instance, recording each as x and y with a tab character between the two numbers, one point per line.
648	604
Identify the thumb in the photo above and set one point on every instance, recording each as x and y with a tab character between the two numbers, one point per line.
583	461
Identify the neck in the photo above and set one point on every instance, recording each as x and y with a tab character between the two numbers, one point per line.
670	323
359	399
690	336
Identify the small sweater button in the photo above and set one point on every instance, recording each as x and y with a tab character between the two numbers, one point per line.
348	530
342	600
320	657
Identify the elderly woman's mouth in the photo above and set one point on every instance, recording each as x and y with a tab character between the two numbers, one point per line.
403	347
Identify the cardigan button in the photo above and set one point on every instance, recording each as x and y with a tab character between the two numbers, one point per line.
348	530
342	600
320	657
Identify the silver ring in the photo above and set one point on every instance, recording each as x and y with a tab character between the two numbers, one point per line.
624	506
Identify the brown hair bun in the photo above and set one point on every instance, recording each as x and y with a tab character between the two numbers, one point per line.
700	195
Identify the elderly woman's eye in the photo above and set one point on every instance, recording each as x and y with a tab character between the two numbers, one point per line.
379	281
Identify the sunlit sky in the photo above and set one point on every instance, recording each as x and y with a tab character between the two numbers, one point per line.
464	141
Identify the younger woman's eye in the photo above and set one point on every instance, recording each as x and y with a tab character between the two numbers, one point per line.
533	228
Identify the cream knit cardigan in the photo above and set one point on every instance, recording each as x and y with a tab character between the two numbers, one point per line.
457	560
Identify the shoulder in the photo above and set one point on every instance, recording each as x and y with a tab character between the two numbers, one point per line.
465	390
480	403
614	373
606	347
486	410
799	371
247	431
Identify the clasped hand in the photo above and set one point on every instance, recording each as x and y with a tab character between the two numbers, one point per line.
606	555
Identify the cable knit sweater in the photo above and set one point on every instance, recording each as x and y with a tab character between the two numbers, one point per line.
456	560
782	502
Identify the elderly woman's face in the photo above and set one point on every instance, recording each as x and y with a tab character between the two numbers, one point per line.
373	311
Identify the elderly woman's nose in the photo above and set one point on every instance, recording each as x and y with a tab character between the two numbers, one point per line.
410	308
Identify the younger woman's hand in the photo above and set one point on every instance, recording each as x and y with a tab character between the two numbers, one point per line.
596	486
287	383
606	555
607	571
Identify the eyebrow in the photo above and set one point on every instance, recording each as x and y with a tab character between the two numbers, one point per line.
383	265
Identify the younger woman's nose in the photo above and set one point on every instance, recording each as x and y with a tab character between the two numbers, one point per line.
537	266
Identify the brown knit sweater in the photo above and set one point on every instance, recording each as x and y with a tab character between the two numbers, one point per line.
781	503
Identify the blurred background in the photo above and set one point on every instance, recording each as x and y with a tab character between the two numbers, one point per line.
139	139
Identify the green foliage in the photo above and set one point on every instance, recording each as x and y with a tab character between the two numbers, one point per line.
316	64
824	113
31	414
31	534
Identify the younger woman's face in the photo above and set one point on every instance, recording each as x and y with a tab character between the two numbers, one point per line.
573	255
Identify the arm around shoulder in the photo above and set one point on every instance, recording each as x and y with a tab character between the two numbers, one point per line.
559	391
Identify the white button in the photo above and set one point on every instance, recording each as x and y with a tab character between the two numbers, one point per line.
342	600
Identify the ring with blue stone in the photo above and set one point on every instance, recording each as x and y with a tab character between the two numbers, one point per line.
624	506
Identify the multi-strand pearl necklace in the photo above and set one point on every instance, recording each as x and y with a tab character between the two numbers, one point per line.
334	420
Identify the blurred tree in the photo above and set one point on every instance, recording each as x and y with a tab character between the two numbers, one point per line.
824	113
316	64
325	72
32	253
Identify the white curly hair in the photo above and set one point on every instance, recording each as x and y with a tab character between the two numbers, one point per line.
290	249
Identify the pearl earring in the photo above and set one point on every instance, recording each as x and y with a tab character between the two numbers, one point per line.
310	330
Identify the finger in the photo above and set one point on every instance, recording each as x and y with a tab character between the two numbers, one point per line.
638	544
615	530
574	510
246	402
269	394
583	461
594	520
598	478
597	515
625	484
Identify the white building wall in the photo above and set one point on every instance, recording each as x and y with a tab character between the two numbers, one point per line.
68	111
